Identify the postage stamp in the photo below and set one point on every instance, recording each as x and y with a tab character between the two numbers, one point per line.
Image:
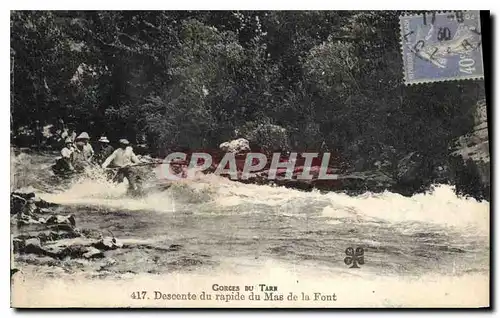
441	46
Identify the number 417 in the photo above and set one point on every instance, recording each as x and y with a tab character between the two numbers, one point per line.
138	295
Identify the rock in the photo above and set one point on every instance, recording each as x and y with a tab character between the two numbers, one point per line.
268	137
33	242
42	203
240	145
25	195
373	180
13	271
108	243
93	252
54	251
48	236
27	203
473	149
77	241
90	233
174	247
60	219
415	172
20	204
73	248
24	219
17	203
18	245
62	227
407	166
57	250
32	245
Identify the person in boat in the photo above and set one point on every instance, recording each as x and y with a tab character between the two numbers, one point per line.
81	157
65	163
67	151
105	150
88	151
70	132
123	158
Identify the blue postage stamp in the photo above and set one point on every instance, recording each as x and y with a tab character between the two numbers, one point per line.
441	46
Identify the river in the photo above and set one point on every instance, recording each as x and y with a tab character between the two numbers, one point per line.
214	227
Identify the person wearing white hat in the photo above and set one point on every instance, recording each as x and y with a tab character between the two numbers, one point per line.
123	157
67	151
104	139
80	156
104	151
64	164
83	136
88	151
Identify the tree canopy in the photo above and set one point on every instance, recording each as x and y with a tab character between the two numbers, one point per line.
192	79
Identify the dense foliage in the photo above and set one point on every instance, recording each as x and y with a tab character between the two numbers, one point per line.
192	79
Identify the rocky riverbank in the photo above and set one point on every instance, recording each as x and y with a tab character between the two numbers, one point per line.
45	234
471	156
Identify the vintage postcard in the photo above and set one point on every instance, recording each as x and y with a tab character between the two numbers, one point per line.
249	159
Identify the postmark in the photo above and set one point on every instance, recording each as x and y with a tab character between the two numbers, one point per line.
441	46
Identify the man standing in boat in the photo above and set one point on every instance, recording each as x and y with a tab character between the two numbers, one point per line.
123	158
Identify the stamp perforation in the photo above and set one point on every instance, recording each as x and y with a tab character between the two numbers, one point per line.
463	49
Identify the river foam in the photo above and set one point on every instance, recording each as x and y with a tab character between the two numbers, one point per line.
440	206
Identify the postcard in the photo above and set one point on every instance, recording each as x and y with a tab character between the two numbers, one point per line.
250	159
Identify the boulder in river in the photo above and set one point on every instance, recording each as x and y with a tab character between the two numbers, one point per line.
32	245
108	243
27	203
28	219
236	146
73	248
93	252
60	219
18	244
266	136
54	235
23	204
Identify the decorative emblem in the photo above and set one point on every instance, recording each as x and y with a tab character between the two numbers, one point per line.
354	257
